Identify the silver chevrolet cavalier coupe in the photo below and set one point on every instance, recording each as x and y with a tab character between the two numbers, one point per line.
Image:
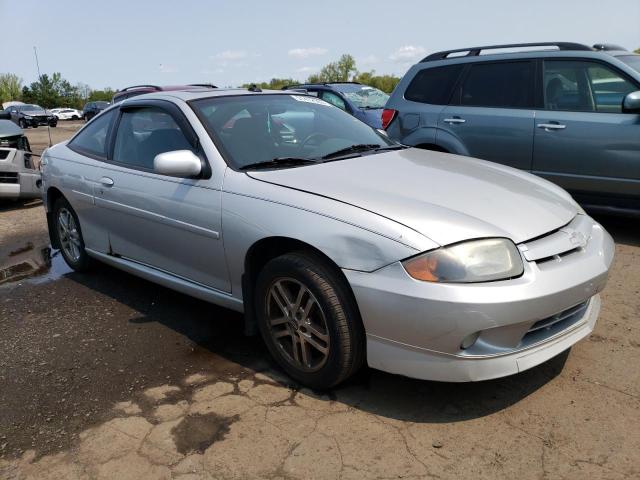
341	246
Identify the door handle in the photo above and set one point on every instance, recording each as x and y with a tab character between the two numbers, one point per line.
106	181
552	126
454	120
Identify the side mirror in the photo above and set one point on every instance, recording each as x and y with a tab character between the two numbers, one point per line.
178	163
5	115
631	103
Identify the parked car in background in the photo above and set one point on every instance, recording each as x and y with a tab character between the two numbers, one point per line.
136	90
91	109
19	175
341	245
363	102
570	115
29	115
66	113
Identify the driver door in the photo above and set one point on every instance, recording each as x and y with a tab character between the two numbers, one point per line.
168	223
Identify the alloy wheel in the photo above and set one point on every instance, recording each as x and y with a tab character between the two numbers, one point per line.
69	235
297	324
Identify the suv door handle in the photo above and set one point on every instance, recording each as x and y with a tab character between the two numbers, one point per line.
106	181
552	126
454	120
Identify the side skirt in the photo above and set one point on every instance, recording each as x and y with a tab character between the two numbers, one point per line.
170	281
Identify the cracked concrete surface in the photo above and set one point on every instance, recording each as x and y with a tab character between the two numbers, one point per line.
270	430
105	376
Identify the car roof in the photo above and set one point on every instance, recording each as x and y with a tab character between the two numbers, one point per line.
188	95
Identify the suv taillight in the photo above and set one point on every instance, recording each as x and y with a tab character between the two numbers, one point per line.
388	115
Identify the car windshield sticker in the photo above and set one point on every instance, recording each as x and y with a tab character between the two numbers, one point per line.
302	98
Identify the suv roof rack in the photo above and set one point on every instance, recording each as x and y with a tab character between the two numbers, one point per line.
155	87
608	47
475	51
302	85
206	85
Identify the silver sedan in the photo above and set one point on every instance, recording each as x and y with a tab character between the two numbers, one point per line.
340	246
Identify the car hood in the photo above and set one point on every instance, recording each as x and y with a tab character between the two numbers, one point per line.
447	198
33	113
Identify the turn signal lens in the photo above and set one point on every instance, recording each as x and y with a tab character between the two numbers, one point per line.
468	262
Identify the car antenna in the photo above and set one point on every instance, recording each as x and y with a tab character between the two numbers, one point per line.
35	52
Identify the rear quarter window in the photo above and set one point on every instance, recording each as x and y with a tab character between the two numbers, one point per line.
434	85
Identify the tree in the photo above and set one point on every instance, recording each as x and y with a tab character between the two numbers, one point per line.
273	84
340	71
386	83
637	50
10	87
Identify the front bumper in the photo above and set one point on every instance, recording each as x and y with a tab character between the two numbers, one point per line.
417	328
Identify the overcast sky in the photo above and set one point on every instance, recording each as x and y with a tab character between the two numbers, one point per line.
118	43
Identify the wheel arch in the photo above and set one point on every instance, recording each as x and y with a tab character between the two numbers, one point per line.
268	248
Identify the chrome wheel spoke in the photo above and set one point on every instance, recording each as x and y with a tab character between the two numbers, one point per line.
306	354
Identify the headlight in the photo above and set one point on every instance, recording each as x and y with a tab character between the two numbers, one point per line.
468	262
28	117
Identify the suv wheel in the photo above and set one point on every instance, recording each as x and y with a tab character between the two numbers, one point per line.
69	236
308	320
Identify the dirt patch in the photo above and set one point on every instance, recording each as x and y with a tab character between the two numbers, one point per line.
196	433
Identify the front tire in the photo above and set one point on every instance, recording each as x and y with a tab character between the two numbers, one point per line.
69	236
22	124
309	320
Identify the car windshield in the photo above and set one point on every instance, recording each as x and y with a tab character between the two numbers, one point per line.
632	60
29	107
251	129
363	96
102	104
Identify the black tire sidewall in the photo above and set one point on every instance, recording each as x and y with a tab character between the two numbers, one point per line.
308	269
84	262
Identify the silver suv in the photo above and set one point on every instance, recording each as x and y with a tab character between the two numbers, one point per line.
570	115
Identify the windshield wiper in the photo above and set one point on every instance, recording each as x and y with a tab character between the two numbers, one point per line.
362	147
278	162
359	147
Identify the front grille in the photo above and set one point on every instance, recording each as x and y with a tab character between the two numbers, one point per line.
8	177
550	326
559	244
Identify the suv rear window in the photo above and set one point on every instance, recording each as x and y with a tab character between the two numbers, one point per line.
434	85
499	85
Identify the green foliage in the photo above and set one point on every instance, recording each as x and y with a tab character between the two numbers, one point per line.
10	87
343	70
55	91
637	50
101	95
386	83
273	84
340	71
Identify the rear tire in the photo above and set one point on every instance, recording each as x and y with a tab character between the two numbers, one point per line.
69	236
309	320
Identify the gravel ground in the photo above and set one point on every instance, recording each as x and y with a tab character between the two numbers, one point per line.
104	375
